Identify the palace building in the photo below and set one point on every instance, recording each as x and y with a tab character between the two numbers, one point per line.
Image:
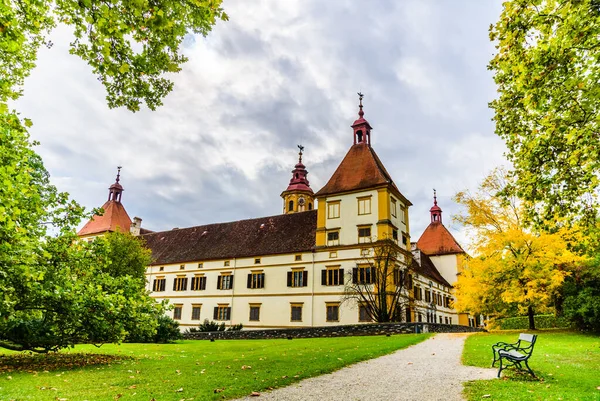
289	270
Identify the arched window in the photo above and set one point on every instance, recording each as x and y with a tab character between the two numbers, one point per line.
291	206
309	206
359	136
297	175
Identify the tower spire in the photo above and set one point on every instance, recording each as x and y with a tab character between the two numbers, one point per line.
362	128
435	211
115	191
298	197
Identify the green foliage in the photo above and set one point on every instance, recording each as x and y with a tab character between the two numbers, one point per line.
167	330
236	327
548	110
581	298
194	369
208	325
541	322
130	45
566	364
56	291
123	255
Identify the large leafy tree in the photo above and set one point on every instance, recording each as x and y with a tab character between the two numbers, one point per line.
514	268
130	44
548	111
56	291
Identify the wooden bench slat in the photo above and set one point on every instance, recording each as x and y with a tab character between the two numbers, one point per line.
526	337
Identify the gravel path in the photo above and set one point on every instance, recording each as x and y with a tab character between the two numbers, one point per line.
430	370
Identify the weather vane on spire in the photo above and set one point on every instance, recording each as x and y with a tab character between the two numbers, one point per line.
360	105
300	153
119	173
434	197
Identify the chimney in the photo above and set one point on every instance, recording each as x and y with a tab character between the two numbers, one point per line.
136	226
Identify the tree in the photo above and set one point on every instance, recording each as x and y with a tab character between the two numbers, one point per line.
130	45
514	268
57	291
381	282
548	110
67	292
123	255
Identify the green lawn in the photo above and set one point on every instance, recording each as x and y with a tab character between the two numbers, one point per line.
567	365
199	370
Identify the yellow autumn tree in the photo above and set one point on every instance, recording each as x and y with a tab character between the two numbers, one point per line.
514	268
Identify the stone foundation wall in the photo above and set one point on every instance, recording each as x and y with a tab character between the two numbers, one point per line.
375	329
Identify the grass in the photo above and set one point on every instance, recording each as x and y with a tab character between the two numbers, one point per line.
199	370
567	365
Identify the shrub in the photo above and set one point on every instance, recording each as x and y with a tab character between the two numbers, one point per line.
208	325
236	327
166	331
541	322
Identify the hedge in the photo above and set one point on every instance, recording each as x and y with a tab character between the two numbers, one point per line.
541	322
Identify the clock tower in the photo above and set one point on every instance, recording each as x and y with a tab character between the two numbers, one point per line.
298	197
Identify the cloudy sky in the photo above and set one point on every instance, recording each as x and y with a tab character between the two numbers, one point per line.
277	74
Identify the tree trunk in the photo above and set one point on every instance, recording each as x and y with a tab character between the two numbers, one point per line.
531	319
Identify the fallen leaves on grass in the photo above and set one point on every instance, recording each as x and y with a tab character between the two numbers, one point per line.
55	361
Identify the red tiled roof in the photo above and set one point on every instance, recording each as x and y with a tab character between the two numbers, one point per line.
361	168
428	269
286	233
114	217
437	240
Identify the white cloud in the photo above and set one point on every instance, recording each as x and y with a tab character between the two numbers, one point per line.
279	73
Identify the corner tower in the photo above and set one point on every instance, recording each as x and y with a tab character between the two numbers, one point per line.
361	203
114	217
298	197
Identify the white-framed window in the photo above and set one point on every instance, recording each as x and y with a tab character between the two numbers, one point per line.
364	234
296	312
225	282
333	238
332	311
364	205
333	210
196	309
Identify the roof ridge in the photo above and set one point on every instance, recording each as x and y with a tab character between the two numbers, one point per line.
231	222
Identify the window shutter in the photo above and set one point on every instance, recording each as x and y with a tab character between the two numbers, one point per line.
228	313
174	284
341	276
231	283
263	280
219	282
216	314
289	279
250	280
304	278
185	284
324	277
354	275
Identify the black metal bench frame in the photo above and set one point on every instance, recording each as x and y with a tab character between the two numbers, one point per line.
514	354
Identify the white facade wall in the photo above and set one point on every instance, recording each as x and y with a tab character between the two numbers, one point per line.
447	265
276	297
349	219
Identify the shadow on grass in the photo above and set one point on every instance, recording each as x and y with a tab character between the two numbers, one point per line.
26	362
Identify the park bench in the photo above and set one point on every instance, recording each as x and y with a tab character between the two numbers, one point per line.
514	354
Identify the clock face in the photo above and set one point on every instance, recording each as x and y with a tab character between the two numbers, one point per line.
301	201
